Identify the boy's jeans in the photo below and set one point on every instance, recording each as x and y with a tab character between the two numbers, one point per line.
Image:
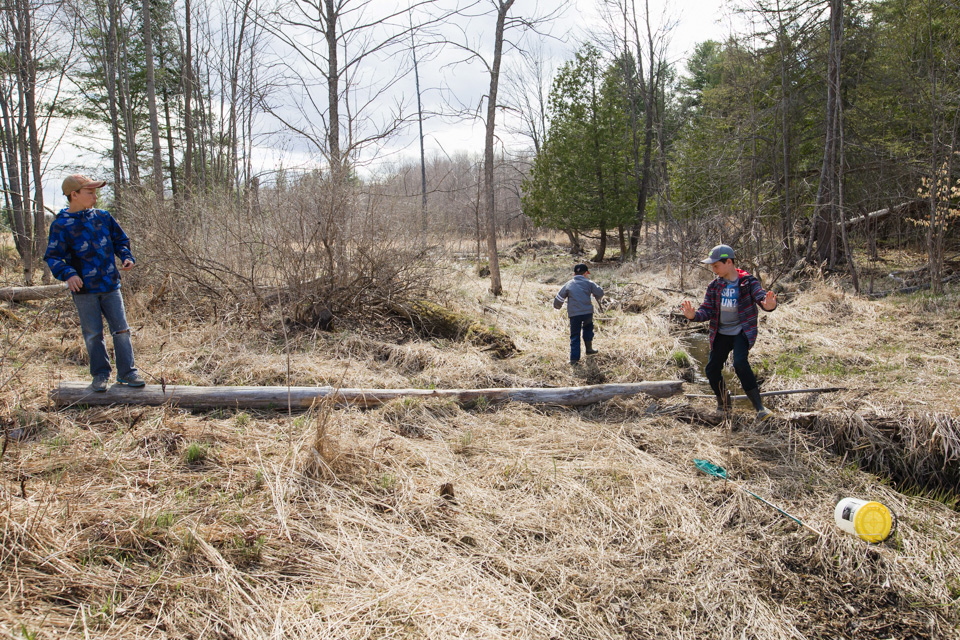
576	322
93	307
722	346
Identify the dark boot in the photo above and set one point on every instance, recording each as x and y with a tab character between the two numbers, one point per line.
762	412
590	351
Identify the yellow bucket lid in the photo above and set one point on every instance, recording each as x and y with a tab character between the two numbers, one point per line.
873	522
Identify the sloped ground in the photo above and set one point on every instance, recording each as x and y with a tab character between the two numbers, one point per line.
553	523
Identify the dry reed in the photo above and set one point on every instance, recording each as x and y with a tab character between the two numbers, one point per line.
563	523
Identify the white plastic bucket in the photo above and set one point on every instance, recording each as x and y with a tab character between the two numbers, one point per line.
871	521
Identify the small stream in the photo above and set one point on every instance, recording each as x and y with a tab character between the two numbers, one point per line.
698	346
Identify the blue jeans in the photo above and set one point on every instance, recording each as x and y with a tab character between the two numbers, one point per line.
93	308
576	323
722	346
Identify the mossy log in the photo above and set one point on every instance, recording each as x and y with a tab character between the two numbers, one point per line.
23	294
434	320
300	398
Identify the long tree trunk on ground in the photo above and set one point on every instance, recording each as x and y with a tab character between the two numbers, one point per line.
186	397
496	288
152	103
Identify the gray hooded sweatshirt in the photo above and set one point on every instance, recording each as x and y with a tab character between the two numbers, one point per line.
577	293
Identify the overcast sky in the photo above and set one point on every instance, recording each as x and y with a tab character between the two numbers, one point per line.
690	22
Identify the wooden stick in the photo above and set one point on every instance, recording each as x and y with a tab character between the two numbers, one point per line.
767	394
69	393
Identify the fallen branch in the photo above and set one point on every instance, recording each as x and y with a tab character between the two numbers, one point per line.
69	393
914	289
767	394
880	213
22	294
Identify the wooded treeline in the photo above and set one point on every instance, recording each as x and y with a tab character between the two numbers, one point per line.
817	114
773	141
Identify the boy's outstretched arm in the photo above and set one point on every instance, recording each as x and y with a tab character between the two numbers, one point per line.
769	302
767	299
706	310
561	298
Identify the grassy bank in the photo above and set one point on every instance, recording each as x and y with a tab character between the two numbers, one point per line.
427	519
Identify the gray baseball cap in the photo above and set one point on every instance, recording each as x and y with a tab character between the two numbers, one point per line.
718	253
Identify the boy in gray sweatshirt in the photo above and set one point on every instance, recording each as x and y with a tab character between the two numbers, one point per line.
577	294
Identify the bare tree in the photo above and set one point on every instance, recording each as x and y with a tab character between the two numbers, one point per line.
152	101
496	288
823	230
423	155
343	46
638	44
505	23
34	67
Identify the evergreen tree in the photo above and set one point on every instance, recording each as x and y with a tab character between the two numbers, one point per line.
581	179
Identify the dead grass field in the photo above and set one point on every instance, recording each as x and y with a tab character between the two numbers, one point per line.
131	522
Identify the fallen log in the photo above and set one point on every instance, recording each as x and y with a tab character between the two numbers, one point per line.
881	213
187	397
23	294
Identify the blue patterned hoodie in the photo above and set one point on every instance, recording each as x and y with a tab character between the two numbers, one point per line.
84	243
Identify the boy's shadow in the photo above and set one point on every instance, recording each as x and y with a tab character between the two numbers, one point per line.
588	371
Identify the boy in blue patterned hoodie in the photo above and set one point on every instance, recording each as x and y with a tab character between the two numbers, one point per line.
731	307
83	243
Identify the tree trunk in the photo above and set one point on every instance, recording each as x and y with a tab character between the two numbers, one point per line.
602	249
823	230
70	393
28	78
168	126
152	103
234	127
333	88
187	80
12	167
423	156
496	288
110	65
125	103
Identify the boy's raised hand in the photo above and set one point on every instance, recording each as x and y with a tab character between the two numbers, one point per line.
769	301
688	311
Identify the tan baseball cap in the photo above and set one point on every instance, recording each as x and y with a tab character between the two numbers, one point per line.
78	181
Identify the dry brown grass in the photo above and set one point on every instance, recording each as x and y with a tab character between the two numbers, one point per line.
159	523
